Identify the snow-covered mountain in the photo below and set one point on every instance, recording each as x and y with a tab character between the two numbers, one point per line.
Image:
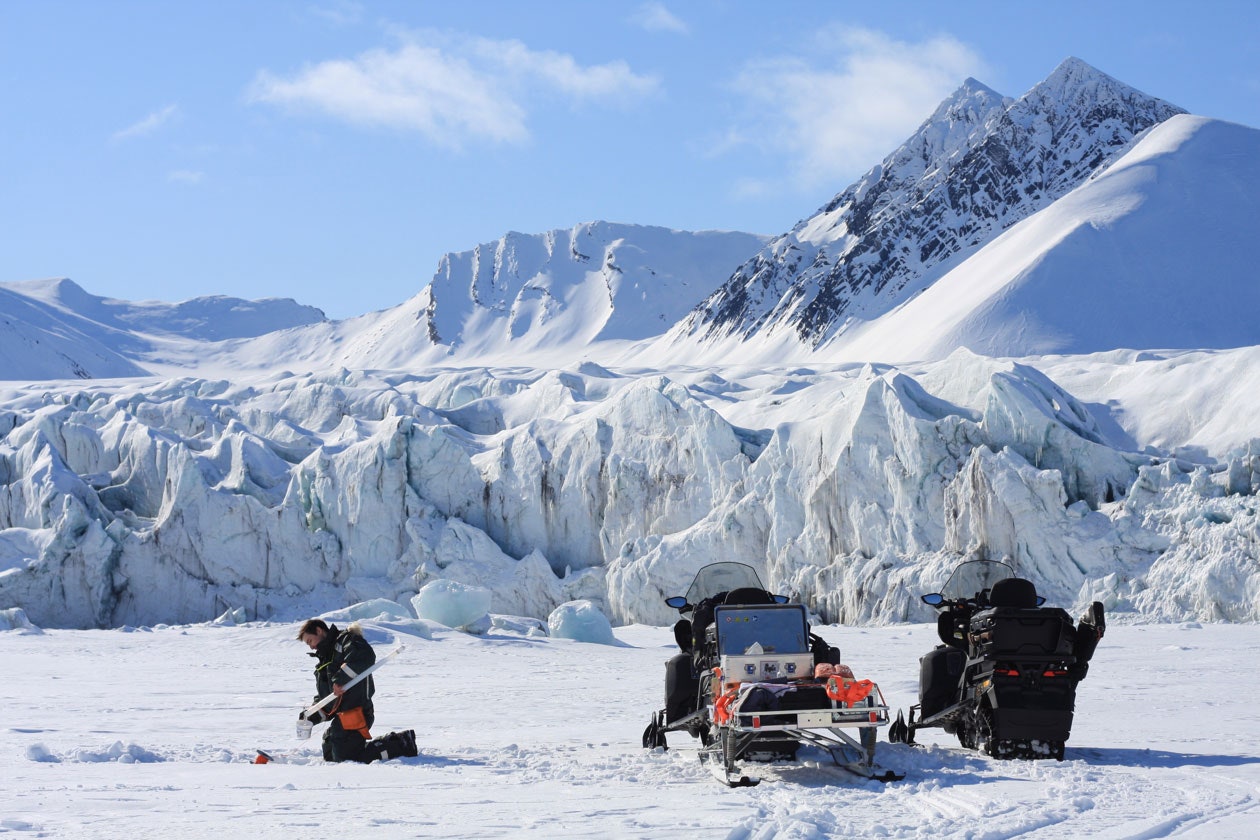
472	434
540	299
977	166
43	342
54	329
544	298
1152	252
974	198
595	282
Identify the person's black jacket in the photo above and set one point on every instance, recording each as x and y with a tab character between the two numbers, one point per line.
343	655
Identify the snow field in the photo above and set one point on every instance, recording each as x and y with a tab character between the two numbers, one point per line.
149	734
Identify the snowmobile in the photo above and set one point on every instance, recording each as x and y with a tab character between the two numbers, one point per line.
752	683
1004	680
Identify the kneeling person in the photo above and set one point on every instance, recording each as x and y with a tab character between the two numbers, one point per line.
340	656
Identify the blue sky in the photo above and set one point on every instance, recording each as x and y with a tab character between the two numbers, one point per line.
332	151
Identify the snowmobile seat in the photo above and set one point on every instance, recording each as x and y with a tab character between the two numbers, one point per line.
1013	592
748	596
1015	626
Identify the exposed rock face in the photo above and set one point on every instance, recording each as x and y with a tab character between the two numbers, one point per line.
977	166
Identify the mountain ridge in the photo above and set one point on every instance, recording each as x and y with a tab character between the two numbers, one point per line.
929	204
625	294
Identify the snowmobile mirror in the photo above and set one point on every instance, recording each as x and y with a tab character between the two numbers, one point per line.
1041	599
677	602
780	599
934	599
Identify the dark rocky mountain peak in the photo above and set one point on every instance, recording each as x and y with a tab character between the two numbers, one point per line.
979	164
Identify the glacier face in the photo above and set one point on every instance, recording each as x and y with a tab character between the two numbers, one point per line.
977	166
855	488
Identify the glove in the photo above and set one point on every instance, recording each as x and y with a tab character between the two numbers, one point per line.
313	717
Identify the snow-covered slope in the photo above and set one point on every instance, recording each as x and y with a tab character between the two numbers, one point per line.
540	299
53	329
595	282
41	342
978	165
1150	254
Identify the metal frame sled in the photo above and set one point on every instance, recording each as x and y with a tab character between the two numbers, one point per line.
745	685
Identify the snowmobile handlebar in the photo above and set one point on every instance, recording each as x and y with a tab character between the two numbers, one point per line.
979	601
679	602
936	599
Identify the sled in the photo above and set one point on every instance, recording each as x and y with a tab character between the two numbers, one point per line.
744	683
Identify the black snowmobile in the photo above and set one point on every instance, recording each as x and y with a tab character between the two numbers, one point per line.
745	682
1004	681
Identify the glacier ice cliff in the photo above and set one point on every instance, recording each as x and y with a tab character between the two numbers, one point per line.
856	488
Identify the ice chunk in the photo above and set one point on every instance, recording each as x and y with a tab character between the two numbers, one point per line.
451	603
581	621
378	608
231	618
518	625
41	753
15	618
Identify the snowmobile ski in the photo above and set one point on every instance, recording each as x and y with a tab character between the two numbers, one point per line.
871	771
367	672
898	732
728	776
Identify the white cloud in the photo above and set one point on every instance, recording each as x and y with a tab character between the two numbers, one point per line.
451	89
610	82
185	176
654	17
850	101
149	124
339	12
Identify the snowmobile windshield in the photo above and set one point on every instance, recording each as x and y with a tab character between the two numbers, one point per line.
722	577
975	577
